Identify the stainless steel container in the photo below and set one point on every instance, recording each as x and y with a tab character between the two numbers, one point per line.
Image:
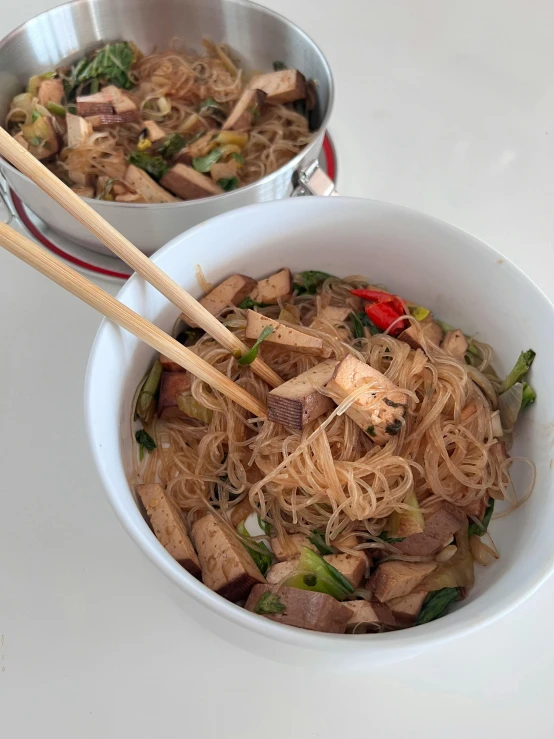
257	35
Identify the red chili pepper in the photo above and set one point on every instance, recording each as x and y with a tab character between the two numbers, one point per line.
383	315
379	296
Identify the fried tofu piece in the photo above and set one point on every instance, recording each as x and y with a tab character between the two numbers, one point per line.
406	609
335	315
231	291
121	102
97	104
298	402
189	184
455	344
438	532
284	336
169	365
274	288
145	186
380	419
50	91
394	579
154	132
78	130
171	385
304	609
416	333
292	547
284	86
280	571
352	566
168	526
246	111
227	568
366	612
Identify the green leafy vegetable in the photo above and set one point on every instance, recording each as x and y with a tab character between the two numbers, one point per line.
146	402
475	529
249	303
110	64
371	431
228	183
317	538
529	396
145	441
264	525
238	157
309	281
436	604
317	575
258	550
358	321
171	145
251	355
204	164
269	603
520	369
35	114
155	166
279	66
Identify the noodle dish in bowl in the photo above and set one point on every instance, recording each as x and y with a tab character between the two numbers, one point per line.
391	489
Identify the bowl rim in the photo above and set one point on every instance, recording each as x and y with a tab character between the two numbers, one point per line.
430	634
320	131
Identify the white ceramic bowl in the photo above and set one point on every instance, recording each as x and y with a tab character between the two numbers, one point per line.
464	281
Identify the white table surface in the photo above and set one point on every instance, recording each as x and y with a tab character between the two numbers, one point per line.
445	107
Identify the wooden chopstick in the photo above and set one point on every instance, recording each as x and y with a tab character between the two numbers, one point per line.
116	242
104	303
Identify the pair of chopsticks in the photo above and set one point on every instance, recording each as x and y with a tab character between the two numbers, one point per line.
103	302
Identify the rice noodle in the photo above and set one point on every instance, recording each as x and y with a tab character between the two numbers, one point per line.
170	85
331	476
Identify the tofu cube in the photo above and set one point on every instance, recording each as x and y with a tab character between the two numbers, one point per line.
50	91
231	291
282	87
171	385
189	184
145	186
366	612
298	402
407	608
352	566
78	130
168	526
417	333
394	579
438	532
274	288
154	133
283	335
292	547
227	568
304	609
281	571
379	418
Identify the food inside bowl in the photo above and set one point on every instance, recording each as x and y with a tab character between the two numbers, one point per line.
169	126
362	502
